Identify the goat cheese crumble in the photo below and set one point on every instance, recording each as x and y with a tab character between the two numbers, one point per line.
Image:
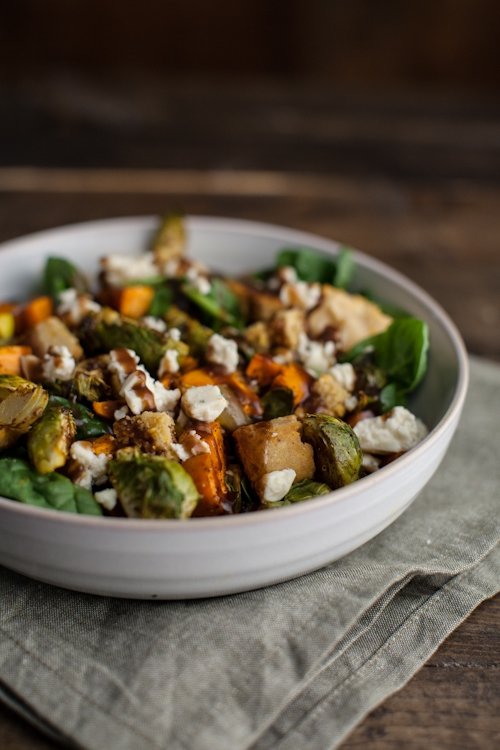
275	484
394	432
204	402
222	351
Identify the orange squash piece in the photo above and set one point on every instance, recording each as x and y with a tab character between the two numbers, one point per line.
10	359
36	310
208	471
295	378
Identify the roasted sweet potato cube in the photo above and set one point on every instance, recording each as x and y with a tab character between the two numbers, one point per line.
272	446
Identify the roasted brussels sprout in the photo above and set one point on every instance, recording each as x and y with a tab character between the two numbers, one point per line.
194	333
170	240
87	424
278	402
21	404
337	453
110	330
152	486
90	381
304	490
50	439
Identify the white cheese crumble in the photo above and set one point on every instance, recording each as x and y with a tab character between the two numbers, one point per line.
201	283
165	399
345	375
275	485
130	391
106	498
155	324
74	306
169	363
204	402
192	445
121	413
222	351
394	432
300	294
58	364
316	356
288	274
122	362
93	466
118	269
171	268
174	334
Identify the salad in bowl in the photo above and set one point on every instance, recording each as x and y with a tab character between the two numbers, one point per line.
166	389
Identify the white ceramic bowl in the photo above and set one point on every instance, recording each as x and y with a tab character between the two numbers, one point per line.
211	556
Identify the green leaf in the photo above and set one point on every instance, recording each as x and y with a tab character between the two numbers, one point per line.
87	424
19	482
162	300
311	265
59	274
345	269
278	402
221	305
401	352
391	396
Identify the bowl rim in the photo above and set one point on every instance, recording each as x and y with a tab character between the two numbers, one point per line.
355	491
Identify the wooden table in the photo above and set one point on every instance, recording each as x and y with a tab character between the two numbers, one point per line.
413	180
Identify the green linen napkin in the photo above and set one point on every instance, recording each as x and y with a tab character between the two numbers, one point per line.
292	666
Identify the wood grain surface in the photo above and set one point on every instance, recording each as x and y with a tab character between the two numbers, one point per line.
412	180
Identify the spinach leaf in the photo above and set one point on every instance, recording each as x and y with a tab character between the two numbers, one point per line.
87	424
278	402
390	396
145	281
311	265
59	274
221	305
344	269
19	482
400	352
162	300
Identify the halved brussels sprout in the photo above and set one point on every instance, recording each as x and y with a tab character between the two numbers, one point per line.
50	439
152	486
304	490
110	330
337	452
170	240
21	404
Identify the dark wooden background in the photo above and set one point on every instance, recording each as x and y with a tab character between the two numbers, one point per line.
377	124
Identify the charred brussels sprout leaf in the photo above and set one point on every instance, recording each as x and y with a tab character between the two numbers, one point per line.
109	330
304	490
311	265
337	452
89	380
152	486
59	274
278	402
87	424
50	439
19	482
21	404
